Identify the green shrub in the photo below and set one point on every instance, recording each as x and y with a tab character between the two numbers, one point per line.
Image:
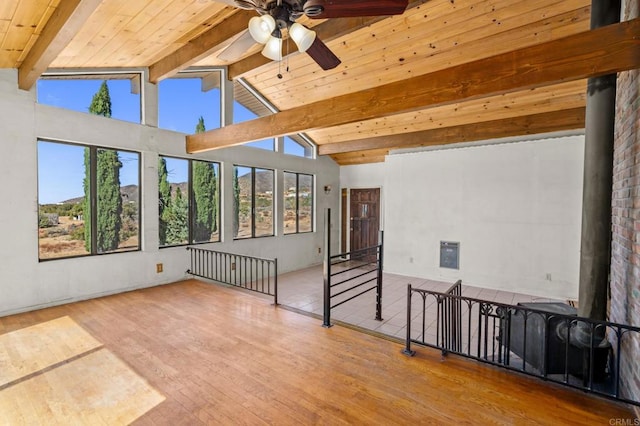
76	232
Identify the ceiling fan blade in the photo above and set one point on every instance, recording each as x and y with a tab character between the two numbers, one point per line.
237	47
352	8
323	56
227	2
242	4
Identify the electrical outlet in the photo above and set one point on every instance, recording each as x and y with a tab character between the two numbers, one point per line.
319	250
158	267
548	277
233	266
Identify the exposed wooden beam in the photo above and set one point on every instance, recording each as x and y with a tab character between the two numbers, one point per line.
326	31
525	125
201	46
374	150
606	50
64	23
360	157
356	162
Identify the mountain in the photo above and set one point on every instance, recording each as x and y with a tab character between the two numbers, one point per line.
290	182
182	185
128	193
264	182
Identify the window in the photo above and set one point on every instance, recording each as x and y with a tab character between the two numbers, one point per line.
253	202
205	195
298	203
182	100
188	201
297	145
247	106
77	93
173	201
88	200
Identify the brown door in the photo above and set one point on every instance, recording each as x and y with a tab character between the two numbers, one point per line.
365	218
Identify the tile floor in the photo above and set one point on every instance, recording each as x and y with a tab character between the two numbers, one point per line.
303	290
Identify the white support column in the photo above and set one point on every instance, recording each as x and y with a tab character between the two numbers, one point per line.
149	102
226	99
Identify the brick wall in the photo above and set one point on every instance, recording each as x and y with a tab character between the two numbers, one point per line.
625	250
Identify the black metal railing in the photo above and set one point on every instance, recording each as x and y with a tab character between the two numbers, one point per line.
350	275
451	329
545	340
248	272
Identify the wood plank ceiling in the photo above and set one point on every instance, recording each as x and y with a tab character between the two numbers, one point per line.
431	36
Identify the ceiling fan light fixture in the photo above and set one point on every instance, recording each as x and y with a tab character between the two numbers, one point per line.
261	27
273	48
302	36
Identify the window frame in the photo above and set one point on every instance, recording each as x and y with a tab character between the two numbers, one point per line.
198	73
135	76
267	109
309	151
190	198
253	203
297	202
93	194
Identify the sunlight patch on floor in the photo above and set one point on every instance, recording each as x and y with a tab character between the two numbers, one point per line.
56	373
32	349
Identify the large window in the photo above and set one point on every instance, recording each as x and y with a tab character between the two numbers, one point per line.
253	202
247	106
79	93
298	146
183	100
88	200
298	203
173	201
188	201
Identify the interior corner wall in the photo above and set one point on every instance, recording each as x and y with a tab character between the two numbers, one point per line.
515	209
27	284
625	251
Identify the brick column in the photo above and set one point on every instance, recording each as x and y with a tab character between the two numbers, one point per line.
625	257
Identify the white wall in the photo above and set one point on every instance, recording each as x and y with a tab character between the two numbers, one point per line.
26	283
363	176
515	208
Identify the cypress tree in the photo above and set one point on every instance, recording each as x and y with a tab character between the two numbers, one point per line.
109	220
204	196
178	214
236	202
164	199
200	126
86	211
101	101
109	200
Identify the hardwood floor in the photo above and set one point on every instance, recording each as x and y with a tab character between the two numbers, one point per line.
220	356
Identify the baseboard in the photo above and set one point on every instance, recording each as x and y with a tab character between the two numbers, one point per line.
80	298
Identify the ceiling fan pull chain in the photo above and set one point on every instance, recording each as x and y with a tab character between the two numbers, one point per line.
287	68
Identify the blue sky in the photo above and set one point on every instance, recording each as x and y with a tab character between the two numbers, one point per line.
77	94
61	167
177	170
56	183
182	102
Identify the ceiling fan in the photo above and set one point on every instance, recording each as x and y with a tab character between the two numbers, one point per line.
278	15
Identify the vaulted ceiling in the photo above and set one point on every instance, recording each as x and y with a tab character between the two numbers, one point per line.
445	71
